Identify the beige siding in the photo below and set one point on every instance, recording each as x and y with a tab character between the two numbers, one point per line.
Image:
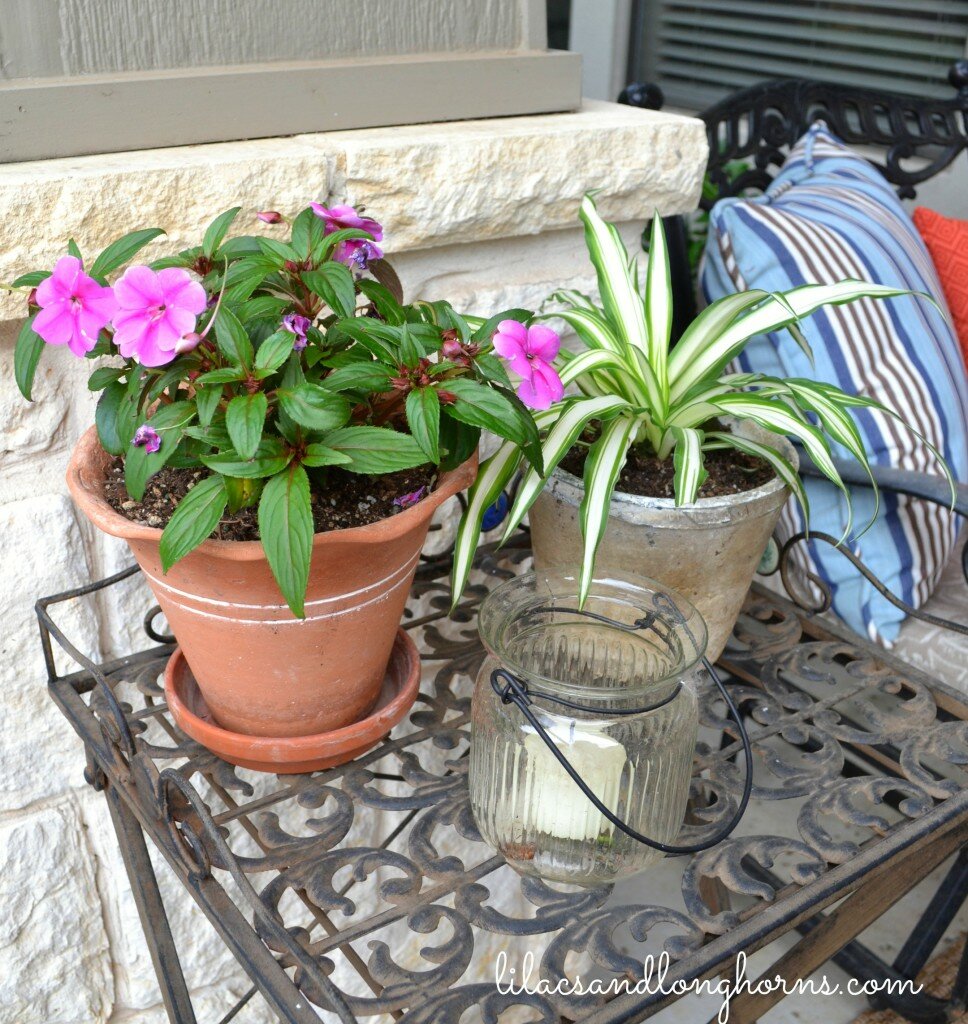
47	38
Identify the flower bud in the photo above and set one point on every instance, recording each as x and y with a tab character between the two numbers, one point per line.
190	341
269	216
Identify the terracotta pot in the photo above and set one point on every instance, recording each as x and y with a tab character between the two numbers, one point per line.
291	755
707	551
261	670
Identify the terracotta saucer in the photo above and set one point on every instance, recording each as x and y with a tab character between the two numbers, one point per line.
290	755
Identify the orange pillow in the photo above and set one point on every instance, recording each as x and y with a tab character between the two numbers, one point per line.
947	241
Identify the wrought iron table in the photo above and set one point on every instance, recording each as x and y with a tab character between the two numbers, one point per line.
375	872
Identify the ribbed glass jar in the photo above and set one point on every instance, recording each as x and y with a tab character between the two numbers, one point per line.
638	765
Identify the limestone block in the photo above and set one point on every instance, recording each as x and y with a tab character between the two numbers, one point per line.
60	395
96	199
54	964
430	185
475	180
204	956
43	554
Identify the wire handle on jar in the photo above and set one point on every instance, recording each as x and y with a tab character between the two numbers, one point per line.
515	691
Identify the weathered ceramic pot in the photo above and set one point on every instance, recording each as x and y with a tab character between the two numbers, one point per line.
261	670
707	551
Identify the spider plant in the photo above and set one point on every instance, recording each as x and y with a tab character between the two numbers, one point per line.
634	389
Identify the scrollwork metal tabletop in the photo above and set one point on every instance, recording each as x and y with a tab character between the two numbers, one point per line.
365	893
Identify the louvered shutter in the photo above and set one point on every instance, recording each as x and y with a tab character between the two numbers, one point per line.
702	50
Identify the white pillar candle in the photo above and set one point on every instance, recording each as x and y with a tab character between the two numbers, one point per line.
553	803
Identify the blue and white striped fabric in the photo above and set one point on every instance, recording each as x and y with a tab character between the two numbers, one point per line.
829	215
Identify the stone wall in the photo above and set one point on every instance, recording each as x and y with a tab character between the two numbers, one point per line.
482	213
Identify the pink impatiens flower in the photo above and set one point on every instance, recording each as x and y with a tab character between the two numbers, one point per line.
358	251
530	352
156	311
74	307
148	438
407	500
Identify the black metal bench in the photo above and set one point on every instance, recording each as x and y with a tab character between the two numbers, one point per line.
913	139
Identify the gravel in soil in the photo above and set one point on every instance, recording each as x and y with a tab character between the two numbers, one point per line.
343	500
730	472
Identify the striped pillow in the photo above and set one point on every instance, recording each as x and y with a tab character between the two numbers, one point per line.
827	216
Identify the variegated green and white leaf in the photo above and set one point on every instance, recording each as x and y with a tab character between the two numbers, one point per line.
587	362
707	354
574	298
782	465
603	466
576	414
776	417
493	476
597	333
707	327
687	460
871	403
618	288
658	306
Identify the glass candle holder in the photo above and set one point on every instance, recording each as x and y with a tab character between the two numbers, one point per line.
613	687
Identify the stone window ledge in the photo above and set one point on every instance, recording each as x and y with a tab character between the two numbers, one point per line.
430	184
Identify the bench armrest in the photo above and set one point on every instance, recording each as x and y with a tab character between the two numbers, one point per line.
929	486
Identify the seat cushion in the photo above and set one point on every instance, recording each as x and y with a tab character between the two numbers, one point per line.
947	241
828	216
937	651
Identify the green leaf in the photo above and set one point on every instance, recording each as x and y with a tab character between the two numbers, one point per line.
115	418
286	529
215	232
376	450
497	411
271	457
411	351
423	418
196	516
261	307
334	284
73	250
458	442
122	250
494	475
380	340
206	401
314	407
214	435
603	466
102	377
369	376
278	251
225	375
245	417
308	231
26	355
169	422
233	341
687	460
244	276
320	455
486	330
566	424
384	300
274	351
31	279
